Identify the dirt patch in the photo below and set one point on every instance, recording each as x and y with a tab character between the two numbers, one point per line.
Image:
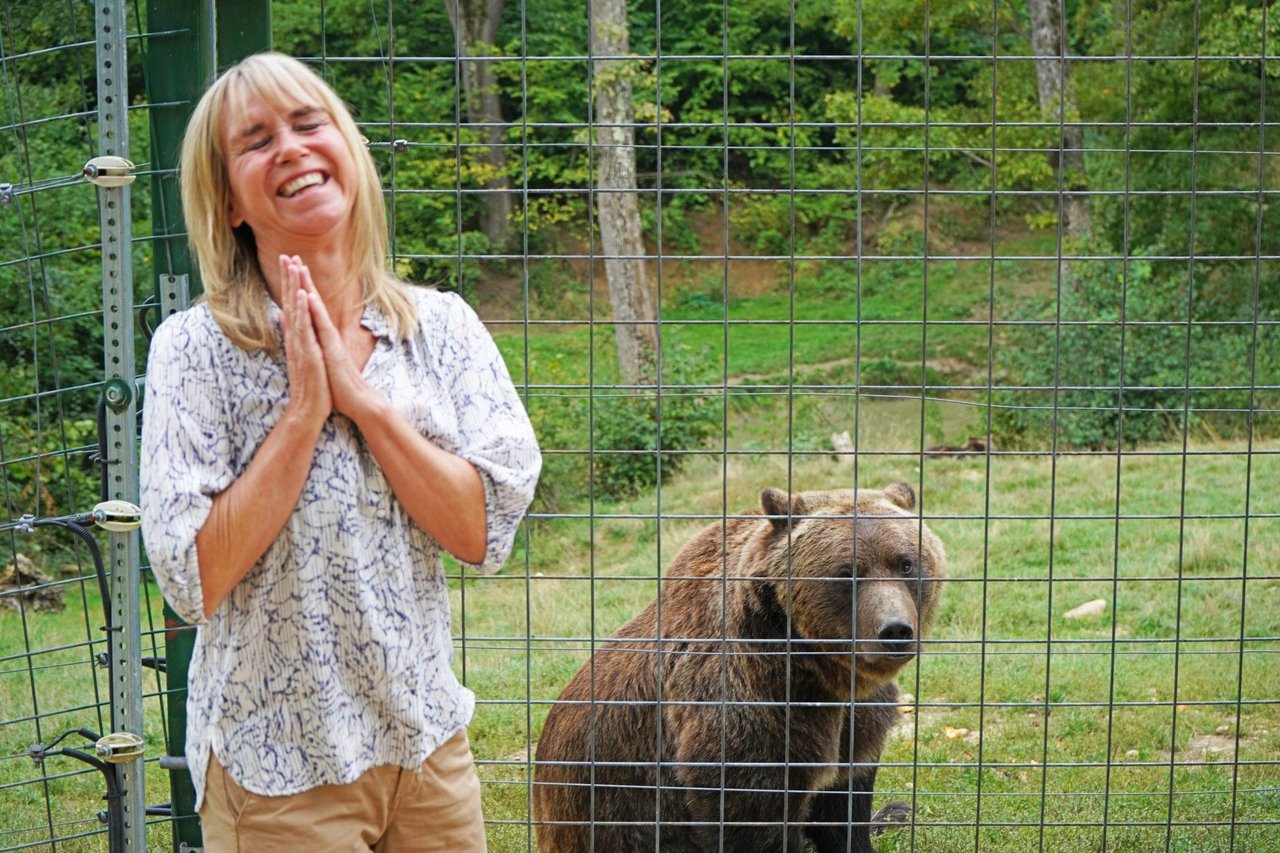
499	297
1211	748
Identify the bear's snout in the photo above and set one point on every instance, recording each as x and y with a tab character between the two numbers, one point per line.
897	639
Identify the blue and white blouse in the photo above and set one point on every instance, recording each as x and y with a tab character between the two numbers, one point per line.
332	655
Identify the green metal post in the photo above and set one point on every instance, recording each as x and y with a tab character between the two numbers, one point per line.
243	28
191	42
179	67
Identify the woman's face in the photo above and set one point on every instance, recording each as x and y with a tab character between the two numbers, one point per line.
292	175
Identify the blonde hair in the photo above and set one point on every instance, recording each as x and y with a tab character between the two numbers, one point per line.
234	285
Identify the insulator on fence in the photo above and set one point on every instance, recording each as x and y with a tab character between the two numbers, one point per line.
6	193
108	171
117	516
119	747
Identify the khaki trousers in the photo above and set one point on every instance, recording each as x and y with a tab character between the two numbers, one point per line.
388	810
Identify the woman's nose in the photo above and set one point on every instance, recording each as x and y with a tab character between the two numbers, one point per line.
290	146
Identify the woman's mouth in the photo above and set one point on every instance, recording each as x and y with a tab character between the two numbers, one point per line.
300	183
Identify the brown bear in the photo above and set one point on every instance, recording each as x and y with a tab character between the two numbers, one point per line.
733	730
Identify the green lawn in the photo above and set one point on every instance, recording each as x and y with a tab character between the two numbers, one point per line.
1174	593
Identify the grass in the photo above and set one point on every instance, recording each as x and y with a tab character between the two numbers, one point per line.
1076	735
740	335
1100	738
49	684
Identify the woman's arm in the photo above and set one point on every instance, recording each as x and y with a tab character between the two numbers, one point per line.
440	491
248	515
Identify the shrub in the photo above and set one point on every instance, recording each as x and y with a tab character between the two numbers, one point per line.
629	427
657	423
1167	376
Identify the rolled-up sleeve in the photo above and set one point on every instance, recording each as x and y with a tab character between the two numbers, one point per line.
185	456
494	430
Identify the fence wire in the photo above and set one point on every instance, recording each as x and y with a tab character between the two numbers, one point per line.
877	255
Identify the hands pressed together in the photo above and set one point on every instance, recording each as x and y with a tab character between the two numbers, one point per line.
324	377
440	491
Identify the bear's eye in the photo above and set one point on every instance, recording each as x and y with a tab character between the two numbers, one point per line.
907	566
844	573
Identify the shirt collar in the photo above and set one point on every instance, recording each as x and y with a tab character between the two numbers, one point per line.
375	321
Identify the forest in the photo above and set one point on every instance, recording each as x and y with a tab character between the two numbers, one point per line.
863	150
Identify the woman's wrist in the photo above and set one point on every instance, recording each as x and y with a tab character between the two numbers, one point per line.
368	409
302	422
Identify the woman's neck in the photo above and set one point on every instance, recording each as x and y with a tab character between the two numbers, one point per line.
333	272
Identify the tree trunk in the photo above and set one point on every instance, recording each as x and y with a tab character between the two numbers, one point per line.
615	196
1053	78
475	28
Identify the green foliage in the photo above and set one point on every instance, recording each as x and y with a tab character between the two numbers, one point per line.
1129	367
659	425
1148	107
635	436
51	341
55	475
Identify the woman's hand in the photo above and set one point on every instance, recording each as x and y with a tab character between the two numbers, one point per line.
350	393
310	400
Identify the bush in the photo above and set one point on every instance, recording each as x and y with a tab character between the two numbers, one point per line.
655	424
1097	406
629	427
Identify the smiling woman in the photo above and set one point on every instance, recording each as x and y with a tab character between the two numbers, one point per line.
318	431
235	139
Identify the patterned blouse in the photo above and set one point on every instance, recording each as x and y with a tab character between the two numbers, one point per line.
332	655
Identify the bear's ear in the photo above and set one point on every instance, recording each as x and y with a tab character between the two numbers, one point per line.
779	504
902	495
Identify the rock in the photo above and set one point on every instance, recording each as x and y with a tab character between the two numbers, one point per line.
23	585
954	733
906	704
1090	608
1131	754
842	444
1223	730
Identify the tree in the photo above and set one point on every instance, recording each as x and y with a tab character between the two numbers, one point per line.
615	198
1049	45
475	28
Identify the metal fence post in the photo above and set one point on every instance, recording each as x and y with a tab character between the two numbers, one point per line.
179	66
199	39
120	391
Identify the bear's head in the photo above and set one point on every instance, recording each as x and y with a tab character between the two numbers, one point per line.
822	548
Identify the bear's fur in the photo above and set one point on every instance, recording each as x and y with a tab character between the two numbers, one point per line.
754	680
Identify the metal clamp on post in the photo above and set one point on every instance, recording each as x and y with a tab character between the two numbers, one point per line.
119	747
108	171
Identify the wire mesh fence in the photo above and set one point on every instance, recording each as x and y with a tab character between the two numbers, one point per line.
906	243
72	638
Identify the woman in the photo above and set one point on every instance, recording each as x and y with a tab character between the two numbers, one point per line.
315	432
